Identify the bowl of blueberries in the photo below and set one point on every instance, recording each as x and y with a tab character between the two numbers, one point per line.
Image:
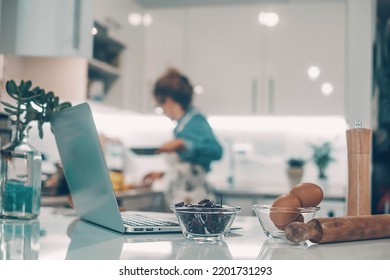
205	221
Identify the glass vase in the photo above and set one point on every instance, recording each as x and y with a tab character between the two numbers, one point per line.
20	180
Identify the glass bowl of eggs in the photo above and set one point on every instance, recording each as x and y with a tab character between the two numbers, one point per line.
299	205
274	220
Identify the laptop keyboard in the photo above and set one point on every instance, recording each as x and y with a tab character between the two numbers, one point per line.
139	220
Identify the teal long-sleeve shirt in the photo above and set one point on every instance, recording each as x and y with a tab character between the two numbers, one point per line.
201	145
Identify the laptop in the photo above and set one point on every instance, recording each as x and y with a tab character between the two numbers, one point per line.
88	177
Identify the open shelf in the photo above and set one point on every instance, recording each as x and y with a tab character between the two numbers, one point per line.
105	64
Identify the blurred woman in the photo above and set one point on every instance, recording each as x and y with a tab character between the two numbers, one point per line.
194	145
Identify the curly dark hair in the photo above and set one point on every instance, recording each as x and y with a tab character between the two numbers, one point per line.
175	85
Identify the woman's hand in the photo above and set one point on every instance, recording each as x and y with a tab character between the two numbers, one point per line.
172	146
151	177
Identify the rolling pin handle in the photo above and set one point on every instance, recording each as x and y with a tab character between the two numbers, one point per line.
298	232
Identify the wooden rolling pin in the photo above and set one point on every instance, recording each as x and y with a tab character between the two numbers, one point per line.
359	170
338	229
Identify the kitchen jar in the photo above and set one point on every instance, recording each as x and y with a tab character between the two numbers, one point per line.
20	180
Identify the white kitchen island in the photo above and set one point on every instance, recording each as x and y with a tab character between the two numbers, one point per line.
59	235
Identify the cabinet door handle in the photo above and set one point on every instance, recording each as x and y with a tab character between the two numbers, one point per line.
254	97
271	96
76	24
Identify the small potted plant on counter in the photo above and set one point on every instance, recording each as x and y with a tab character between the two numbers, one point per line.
322	158
295	169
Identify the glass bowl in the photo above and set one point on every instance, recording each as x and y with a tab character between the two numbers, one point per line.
205	224
268	215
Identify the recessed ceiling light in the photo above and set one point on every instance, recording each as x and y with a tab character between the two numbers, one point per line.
94	31
198	89
134	19
327	89
268	19
313	72
147	19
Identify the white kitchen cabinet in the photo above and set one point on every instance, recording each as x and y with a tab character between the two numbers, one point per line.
193	41
246	68
223	57
46	27
165	46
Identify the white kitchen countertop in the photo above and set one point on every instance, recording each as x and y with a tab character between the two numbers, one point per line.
59	235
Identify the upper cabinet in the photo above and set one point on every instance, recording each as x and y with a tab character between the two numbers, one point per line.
46	27
241	66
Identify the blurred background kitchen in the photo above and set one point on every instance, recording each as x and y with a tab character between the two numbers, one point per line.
279	81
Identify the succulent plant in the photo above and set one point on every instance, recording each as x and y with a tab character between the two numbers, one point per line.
32	104
322	157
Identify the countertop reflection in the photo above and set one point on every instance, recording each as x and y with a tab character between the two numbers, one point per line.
354	250
19	239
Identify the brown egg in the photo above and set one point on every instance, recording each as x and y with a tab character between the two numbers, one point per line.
300	218
309	194
284	213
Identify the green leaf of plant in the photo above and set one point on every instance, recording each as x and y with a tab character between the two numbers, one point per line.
27	85
9	111
63	106
56	102
21	86
41	99
28	100
11	87
8	105
49	97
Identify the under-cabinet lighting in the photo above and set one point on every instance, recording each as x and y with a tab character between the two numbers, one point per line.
304	124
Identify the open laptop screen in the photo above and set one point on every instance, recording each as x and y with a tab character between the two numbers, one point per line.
84	166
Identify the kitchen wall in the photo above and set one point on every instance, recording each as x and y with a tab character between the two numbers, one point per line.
65	76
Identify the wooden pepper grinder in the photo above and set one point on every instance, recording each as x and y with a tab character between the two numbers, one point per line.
359	170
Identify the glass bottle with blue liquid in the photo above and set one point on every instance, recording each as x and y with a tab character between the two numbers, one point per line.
20	179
